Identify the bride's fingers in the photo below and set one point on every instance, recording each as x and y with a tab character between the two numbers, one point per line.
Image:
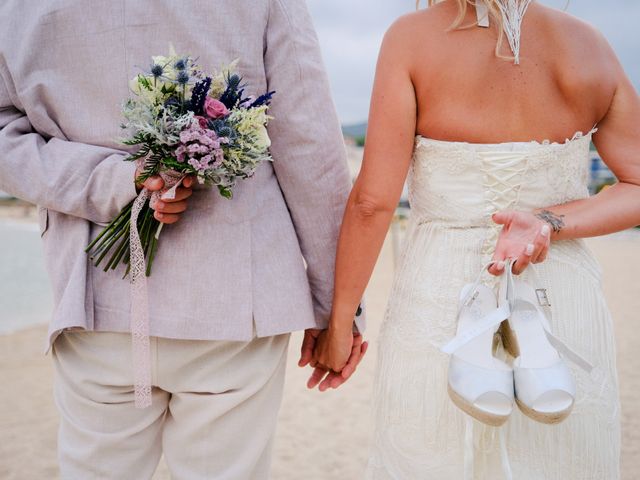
523	261
543	255
497	268
542	244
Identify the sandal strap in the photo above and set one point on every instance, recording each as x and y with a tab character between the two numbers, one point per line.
567	352
558	344
492	320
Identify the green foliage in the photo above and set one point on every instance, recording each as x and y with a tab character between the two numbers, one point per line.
226	192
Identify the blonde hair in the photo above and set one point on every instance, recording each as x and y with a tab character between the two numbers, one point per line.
495	14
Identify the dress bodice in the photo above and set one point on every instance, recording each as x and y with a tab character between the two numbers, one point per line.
463	184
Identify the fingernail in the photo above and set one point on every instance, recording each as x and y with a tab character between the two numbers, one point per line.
159	204
500	265
530	249
546	230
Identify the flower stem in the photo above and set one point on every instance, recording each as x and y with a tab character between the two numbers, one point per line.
123	222
125	213
120	249
112	240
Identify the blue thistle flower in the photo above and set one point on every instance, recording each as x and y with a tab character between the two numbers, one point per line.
222	129
181	64
233	94
182	78
157	70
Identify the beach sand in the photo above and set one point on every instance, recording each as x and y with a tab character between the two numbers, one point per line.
320	436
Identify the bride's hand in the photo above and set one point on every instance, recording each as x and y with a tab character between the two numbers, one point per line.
333	349
524	237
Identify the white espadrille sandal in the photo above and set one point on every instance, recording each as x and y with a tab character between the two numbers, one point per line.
545	389
480	384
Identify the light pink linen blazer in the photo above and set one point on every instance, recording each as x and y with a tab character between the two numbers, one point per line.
262	263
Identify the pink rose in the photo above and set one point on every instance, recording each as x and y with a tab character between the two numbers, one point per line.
215	108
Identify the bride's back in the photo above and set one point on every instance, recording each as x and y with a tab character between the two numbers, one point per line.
565	81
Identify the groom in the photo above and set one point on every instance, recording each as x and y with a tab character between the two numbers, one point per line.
231	279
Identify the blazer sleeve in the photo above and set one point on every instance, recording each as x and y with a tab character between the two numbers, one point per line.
74	178
307	144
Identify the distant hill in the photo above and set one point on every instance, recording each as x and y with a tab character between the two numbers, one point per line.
357	130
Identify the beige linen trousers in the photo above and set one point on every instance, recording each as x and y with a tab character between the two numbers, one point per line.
214	411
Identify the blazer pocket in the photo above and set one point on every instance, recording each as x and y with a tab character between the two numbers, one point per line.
43	220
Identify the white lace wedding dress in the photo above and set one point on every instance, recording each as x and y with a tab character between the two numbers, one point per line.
419	433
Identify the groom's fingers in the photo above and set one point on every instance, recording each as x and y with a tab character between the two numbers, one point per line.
154	183
306	351
167	218
188	181
164	206
328	381
182	193
316	377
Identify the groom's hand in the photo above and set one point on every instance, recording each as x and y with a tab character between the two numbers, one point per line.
308	346
168	211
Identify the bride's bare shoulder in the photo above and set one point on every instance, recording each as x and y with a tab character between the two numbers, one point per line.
421	28
582	53
575	37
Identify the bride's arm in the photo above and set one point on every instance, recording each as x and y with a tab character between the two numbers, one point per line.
618	207
612	210
373	200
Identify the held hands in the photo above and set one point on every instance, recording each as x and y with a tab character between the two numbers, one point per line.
524	237
168	211
334	356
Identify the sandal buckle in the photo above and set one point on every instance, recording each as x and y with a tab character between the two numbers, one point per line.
543	298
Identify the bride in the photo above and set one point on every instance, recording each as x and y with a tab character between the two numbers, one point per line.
489	108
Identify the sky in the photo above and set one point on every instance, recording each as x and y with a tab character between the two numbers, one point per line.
350	32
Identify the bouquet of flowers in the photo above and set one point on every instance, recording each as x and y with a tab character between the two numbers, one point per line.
184	122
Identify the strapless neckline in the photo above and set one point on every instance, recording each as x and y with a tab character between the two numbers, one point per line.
578	136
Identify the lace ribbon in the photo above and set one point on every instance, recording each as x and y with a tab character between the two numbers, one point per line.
139	295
